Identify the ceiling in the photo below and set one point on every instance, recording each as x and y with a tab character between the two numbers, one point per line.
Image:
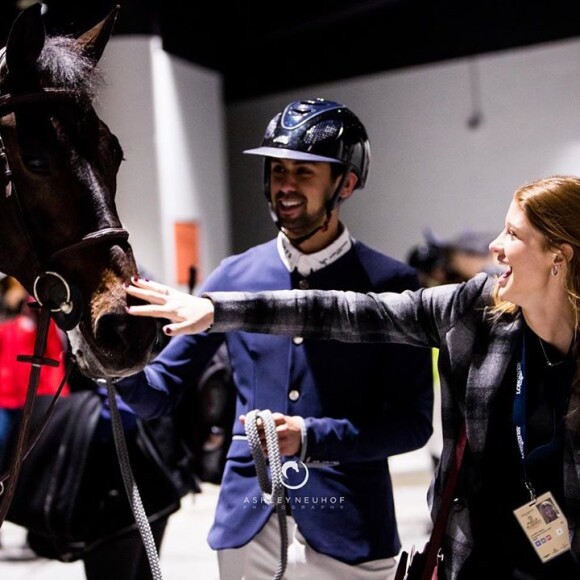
262	47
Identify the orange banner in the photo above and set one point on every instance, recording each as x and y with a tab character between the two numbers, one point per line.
186	250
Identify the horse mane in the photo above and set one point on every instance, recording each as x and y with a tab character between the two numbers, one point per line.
63	65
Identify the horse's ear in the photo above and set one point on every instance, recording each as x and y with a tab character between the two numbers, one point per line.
93	41
24	45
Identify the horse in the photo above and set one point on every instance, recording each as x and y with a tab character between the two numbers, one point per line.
60	233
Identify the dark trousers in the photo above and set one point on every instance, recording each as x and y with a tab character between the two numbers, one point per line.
123	558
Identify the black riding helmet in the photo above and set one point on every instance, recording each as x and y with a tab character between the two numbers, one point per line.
316	130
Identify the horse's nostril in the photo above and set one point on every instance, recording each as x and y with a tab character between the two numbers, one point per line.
119	345
113	331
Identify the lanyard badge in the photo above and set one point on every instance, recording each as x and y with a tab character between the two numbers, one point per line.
541	519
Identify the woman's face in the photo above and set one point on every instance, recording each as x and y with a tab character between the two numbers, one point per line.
520	248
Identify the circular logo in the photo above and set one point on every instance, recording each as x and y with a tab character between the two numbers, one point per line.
295	474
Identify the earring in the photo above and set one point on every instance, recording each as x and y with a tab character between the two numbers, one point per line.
555	270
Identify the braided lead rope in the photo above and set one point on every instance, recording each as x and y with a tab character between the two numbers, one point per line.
272	493
131	487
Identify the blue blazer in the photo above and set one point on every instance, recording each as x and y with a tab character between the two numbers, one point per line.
362	403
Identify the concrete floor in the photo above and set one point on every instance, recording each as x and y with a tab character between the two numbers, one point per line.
185	554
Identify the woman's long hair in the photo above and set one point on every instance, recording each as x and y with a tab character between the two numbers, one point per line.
552	206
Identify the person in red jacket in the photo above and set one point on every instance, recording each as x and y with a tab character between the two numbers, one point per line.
18	322
17	336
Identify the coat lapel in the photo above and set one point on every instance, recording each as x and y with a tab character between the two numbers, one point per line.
493	349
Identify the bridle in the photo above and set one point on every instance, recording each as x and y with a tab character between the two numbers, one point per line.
63	309
63	304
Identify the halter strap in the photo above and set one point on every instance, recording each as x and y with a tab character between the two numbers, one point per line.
91	239
10	101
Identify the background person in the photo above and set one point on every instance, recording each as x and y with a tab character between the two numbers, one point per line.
18	323
508	365
440	261
342	409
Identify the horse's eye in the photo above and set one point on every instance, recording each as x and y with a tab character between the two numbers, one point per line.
37	164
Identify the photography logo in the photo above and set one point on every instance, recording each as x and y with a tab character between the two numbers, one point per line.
294	474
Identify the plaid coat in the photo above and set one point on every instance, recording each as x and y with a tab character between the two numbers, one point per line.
474	353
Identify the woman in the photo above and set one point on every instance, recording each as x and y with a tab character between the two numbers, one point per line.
508	368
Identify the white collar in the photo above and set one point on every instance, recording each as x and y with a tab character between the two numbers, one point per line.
306	264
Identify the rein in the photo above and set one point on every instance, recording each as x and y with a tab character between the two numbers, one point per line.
25	443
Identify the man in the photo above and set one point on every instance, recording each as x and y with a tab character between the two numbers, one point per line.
340	409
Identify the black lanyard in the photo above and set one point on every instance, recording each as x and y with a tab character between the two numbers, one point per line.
520	418
520	422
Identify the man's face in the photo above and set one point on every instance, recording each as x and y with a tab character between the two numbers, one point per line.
299	191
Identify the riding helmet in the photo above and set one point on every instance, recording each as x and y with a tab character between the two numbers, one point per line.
316	130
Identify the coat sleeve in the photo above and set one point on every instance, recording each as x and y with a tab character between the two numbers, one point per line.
157	389
418	318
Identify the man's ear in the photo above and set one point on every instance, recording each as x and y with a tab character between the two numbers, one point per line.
350	182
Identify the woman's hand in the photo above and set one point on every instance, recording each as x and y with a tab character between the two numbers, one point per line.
188	314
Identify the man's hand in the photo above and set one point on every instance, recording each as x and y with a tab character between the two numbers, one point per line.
288	430
189	314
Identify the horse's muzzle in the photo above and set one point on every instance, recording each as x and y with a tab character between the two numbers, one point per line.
119	345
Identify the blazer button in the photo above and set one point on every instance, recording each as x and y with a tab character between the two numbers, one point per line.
303	285
298	340
293	395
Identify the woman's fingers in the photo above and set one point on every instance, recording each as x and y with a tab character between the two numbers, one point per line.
152	292
185	327
153	310
188	314
150	285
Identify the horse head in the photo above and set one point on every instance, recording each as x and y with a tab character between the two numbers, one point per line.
60	233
